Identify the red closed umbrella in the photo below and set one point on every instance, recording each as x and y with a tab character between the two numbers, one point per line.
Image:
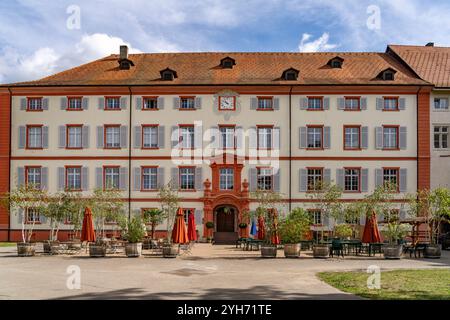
192	234
87	230
179	233
261	229
371	233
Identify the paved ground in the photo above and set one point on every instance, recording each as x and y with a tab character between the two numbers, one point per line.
208	272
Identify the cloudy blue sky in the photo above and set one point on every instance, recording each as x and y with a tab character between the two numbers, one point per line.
41	37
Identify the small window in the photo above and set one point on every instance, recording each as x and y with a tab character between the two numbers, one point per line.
290	74
314	137
226	179
34	104
111	178
73	178
187	103
264	178
149	178
441	137
352	137
390	176
150	137
168	74
265	103
34	137
390	104
33	177
227	137
315	103
112	103
187	178
440	104
336	64
351	180
33	216
112	137
74	104
388	75
314	179
150	104
390	137
352	103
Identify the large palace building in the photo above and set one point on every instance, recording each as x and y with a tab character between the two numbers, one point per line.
221	125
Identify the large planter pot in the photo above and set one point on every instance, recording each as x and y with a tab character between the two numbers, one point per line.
432	251
393	251
170	251
292	250
133	249
97	250
268	251
25	249
321	251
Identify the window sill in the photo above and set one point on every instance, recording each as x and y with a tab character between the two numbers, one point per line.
187	109
387	110
144	109
352	149
265	109
74	109
352	110
390	149
73	190
148	190
441	110
351	191
28	110
31	222
314	149
149	148
187	190
106	109
74	148
112	148
315	109
28	148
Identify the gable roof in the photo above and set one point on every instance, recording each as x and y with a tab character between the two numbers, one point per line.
251	68
431	63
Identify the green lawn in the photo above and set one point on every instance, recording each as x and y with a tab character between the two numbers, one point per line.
400	284
7	244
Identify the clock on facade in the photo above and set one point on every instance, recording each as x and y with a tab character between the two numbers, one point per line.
227	103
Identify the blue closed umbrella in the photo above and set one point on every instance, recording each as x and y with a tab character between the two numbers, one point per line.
253	230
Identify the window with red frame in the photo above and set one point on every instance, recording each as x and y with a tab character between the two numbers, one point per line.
314	136
187	178
315	103
390	177
351	179
150	103
111	178
112	103
352	136
226	178
316	216
227	137
73	178
187	103
33	177
390	137
149	178
34	137
264	179
352	103
314	179
34	104
390	104
187	137
265	103
74	103
265	137
74	136
33	215
112	137
150	137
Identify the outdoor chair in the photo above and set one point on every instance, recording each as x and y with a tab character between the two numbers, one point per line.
419	249
337	248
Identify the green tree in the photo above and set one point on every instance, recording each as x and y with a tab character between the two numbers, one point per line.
170	202
294	227
154	217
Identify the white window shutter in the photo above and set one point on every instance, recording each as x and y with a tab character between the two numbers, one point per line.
63	103
378	177
215	139
137	179
22	137
123	103
139	105
137	137
341	103
62	136
401	104
379	103
303	180
45	137
198	178
198	103
160	103
99	178
198	217
364	180
101	103
363	103
123	178
364	137
61	179
303	103
326	103
85	178
326	137
174	137
174	178
160	181
302	137
23	103
276	180
253	138
198	136
86	137
85	103
45	104
379	138
44	178
276	138
253	181
123	136
253	103
403	138
276	104
176	103
20	176
327	175
100	137
340	178
161	137
403	180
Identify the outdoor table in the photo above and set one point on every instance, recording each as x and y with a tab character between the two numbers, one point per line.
250	243
352	246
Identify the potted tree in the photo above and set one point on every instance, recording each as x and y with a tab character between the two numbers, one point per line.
77	204
434	207
57	210
292	229
268	201
106	205
133	230
327	196
19	201
169	200
394	232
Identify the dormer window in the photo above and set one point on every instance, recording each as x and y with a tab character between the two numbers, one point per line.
124	62
227	63
168	74
336	62
388	74
290	74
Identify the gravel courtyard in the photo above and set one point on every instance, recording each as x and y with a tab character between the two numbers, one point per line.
207	272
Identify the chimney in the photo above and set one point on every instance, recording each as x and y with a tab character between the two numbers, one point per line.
430	44
123	52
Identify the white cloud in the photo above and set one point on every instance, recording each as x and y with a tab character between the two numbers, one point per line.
45	61
320	44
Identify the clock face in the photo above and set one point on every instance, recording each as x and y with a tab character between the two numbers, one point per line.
226	103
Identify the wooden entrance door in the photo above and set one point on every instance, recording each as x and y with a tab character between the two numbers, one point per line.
225	220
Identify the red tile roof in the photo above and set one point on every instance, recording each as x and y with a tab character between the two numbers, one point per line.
432	64
251	68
